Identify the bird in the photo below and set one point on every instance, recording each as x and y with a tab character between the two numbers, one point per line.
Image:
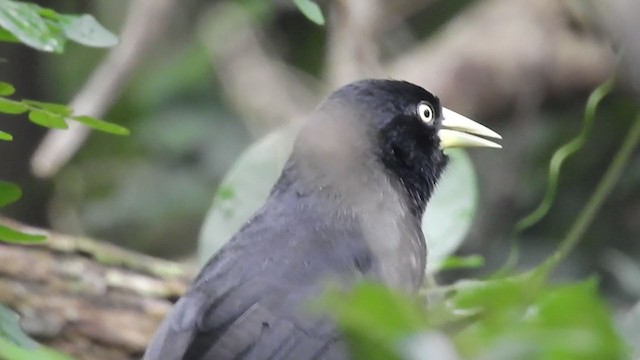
346	208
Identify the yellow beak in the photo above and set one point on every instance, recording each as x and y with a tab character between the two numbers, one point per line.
457	131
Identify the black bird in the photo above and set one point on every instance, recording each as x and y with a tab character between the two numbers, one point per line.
347	207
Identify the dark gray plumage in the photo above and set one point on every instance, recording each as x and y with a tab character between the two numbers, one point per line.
347	206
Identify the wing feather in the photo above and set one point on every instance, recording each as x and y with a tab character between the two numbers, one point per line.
250	300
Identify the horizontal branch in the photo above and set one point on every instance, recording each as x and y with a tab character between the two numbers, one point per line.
90	299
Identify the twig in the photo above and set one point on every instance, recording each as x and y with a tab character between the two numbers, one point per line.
461	64
104	253
86	298
262	89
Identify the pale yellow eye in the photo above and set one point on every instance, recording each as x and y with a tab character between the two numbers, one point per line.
425	111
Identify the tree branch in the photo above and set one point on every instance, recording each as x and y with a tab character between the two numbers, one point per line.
89	299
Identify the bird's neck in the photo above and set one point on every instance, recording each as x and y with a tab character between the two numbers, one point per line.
417	182
358	186
414	170
381	212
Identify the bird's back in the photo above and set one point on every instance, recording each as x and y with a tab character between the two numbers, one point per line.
252	300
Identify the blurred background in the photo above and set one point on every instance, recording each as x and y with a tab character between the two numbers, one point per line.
198	81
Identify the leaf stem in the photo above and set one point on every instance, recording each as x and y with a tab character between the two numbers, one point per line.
562	154
602	191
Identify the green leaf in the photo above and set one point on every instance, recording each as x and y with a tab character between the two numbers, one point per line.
16	345
58	109
87	31
7	36
450	210
374	319
458	262
495	296
24	22
5	136
47	119
12	107
11	351
247	184
311	10
522	318
564	311
102	125
11	331
6	89
244	189
9	193
47	13
12	236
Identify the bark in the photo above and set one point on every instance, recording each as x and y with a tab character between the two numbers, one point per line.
88	299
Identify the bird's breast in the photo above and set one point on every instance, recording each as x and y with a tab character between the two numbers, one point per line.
396	242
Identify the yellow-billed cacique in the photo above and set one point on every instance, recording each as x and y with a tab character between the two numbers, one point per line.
347	208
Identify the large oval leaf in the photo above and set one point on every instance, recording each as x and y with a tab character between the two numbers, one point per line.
247	185
450	211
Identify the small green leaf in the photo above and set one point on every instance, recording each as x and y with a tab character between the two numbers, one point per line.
102	125
12	351
11	331
564	309
87	31
9	193
356	306
12	107
5	136
47	13
311	10
6	89
12	236
24	22
47	119
374	319
458	262
58	109
7	36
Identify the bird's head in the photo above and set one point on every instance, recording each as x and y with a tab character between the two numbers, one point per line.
393	126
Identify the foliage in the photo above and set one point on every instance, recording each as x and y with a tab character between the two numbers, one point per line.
311	10
508	318
46	30
16	345
563	153
50	115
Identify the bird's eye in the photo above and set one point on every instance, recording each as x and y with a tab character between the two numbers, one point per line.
426	113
